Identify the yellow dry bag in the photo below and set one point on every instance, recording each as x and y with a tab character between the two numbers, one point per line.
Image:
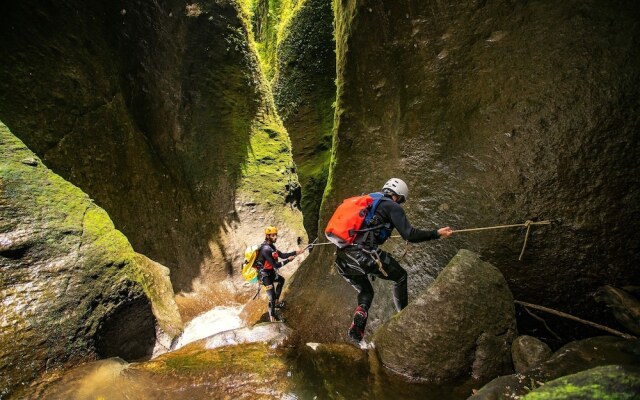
249	273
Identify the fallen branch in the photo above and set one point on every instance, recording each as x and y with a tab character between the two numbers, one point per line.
543	322
571	317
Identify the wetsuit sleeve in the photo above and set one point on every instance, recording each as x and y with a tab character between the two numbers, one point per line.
269	262
286	255
409	233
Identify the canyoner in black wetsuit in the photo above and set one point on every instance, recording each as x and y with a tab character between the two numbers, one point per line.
354	263
269	265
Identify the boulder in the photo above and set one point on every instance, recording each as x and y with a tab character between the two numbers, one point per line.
463	323
528	352
570	359
255	311
606	382
70	282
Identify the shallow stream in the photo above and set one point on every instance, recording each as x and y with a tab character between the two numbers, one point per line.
194	370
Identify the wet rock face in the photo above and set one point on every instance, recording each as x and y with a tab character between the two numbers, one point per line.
495	112
304	91
464	322
147	106
68	279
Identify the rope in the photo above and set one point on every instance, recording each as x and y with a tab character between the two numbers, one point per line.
527	224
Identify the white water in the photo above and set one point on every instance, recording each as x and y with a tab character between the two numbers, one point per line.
216	320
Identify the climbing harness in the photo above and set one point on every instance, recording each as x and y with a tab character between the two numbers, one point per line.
527	224
376	258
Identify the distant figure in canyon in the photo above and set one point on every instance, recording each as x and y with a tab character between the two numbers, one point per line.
362	258
268	265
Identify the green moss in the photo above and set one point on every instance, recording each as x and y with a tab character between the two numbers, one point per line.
269	21
267	174
256	358
344	14
68	213
601	383
304	92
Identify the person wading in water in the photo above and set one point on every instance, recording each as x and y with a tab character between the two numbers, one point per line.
268	265
362	258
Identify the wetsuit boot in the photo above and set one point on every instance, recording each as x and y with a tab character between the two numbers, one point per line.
356	331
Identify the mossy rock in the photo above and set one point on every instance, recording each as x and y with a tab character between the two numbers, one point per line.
69	277
571	359
610	382
528	352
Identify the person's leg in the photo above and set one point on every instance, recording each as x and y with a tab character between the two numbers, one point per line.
398	275
362	285
267	281
365	298
352	266
279	280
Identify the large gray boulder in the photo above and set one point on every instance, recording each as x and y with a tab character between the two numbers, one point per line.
463	323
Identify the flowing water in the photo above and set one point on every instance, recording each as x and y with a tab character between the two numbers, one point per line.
197	370
218	319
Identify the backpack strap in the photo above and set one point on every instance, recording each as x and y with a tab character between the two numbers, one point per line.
377	198
259	258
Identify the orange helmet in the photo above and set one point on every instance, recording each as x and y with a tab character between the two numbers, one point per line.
270	230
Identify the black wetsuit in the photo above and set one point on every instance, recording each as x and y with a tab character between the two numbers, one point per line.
267	260
355	262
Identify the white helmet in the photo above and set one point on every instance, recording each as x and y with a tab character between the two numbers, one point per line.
397	186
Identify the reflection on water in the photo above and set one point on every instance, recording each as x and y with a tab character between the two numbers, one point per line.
252	371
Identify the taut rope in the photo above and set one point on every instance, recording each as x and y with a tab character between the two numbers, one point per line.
527	224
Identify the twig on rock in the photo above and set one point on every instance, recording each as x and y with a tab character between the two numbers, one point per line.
543	322
571	317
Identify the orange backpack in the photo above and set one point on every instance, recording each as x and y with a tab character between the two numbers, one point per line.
350	217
